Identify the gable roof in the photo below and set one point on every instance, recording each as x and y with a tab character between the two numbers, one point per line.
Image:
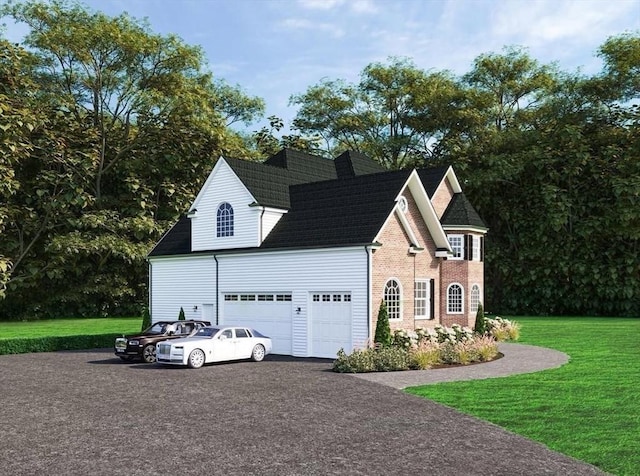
338	202
461	214
177	241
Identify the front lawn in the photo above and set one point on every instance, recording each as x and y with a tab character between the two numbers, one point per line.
588	409
70	327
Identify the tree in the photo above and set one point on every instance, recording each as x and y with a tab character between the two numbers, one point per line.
383	330
480	326
377	116
131	123
181	316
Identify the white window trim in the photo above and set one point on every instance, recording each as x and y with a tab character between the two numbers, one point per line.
461	237
428	298
471	309
476	248
449	311
400	303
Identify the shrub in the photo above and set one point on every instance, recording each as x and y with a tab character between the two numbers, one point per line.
503	329
146	319
383	330
424	355
486	348
480	326
51	344
181	316
382	359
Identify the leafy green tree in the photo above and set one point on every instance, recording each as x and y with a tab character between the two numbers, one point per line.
130	125
383	330
377	116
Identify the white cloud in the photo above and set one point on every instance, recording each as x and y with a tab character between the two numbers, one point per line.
309	25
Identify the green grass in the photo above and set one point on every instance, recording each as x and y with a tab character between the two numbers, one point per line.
588	409
70	327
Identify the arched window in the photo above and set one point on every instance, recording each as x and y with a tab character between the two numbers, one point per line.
392	294
455	299
225	220
475	298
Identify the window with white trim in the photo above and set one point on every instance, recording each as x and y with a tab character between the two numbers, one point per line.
421	299
476	248
224	224
455	299
392	298
474	299
457	245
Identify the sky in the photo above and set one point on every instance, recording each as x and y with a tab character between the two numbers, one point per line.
275	48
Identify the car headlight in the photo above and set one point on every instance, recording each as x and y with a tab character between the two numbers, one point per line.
134	342
178	350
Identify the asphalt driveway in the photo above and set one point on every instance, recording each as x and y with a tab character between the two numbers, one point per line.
87	413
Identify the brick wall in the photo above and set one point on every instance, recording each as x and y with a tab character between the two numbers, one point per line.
393	260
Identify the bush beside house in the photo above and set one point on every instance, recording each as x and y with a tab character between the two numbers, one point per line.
425	348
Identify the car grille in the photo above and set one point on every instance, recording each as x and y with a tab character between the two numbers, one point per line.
164	348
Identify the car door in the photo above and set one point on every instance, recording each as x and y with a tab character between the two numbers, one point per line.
243	343
224	347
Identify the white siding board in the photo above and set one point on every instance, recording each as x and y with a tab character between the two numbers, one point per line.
299	273
269	220
181	282
224	186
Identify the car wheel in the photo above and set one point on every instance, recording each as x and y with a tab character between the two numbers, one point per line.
258	353
196	359
149	353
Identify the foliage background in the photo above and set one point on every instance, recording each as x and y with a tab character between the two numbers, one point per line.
107	132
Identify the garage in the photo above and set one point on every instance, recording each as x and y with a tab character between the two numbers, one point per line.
330	323
268	313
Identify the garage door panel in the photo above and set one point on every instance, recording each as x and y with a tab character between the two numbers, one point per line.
268	316
331	320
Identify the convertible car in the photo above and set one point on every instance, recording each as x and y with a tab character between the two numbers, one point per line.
143	345
214	344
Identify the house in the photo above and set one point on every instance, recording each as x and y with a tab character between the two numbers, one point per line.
304	249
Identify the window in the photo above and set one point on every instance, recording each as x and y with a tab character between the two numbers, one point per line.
225	220
316	298
265	297
247	297
326	297
283	297
392	293
402	203
337	297
476	248
422	300
347	297
241	333
474	300
230	297
457	245
454	299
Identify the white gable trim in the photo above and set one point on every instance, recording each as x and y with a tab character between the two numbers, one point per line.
426	209
407	226
450	175
219	164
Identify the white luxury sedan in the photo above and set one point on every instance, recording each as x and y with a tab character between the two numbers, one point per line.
214	344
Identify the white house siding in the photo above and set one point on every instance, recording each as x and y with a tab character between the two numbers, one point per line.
269	219
224	186
301	273
181	282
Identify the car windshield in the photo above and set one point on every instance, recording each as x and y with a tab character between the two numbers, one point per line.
158	328
206	332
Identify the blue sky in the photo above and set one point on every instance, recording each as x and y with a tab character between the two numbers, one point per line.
275	48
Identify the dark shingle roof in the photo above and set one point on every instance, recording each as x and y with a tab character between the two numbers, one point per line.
177	241
337	212
431	178
461	213
330	203
351	164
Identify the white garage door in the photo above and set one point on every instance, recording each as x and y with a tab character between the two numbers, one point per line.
330	323
268	313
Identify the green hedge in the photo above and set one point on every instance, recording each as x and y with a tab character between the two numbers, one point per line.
50	344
